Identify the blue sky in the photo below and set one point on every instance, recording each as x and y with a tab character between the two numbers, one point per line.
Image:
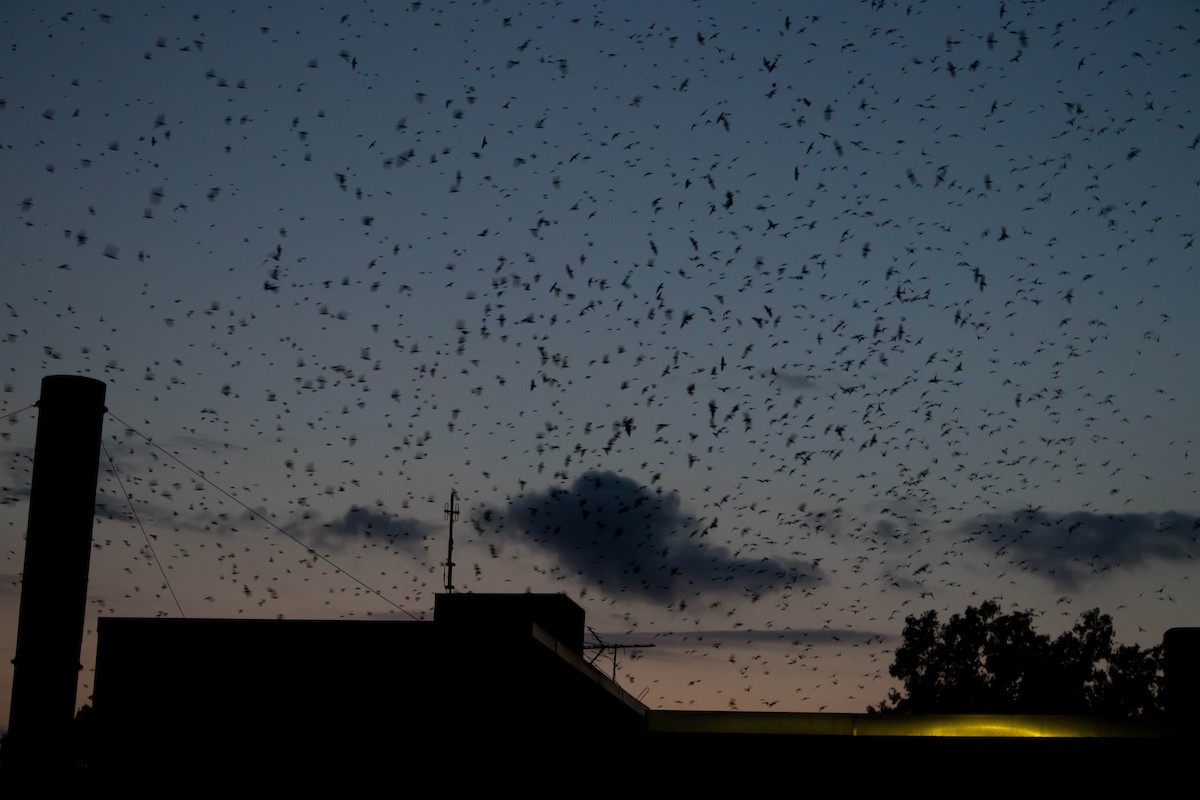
753	331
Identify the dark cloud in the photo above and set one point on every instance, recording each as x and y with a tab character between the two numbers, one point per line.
202	443
160	506
16	475
793	381
16	472
114	507
1074	548
795	637
613	532
383	528
152	497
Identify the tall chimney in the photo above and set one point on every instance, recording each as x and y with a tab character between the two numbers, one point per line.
58	545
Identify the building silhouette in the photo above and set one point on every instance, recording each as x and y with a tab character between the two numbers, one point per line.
493	692
498	686
491	675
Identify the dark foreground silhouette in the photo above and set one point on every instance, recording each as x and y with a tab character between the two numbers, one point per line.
985	662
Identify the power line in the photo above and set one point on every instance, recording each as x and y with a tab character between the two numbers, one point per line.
254	513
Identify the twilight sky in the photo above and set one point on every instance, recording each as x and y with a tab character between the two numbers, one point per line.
752	327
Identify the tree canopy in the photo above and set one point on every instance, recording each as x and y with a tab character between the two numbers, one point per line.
983	661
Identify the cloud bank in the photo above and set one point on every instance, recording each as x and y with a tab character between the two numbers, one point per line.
1077	547
615	533
385	529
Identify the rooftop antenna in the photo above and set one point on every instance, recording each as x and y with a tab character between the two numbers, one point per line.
451	513
600	646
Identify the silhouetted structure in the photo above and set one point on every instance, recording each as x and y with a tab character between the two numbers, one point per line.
496	682
495	676
58	547
1182	649
495	687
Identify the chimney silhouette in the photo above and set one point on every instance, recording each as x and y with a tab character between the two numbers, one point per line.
58	544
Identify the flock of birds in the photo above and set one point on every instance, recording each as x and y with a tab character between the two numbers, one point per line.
754	329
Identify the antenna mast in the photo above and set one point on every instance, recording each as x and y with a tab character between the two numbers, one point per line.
451	513
600	646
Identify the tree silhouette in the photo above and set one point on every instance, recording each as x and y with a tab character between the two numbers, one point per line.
982	661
